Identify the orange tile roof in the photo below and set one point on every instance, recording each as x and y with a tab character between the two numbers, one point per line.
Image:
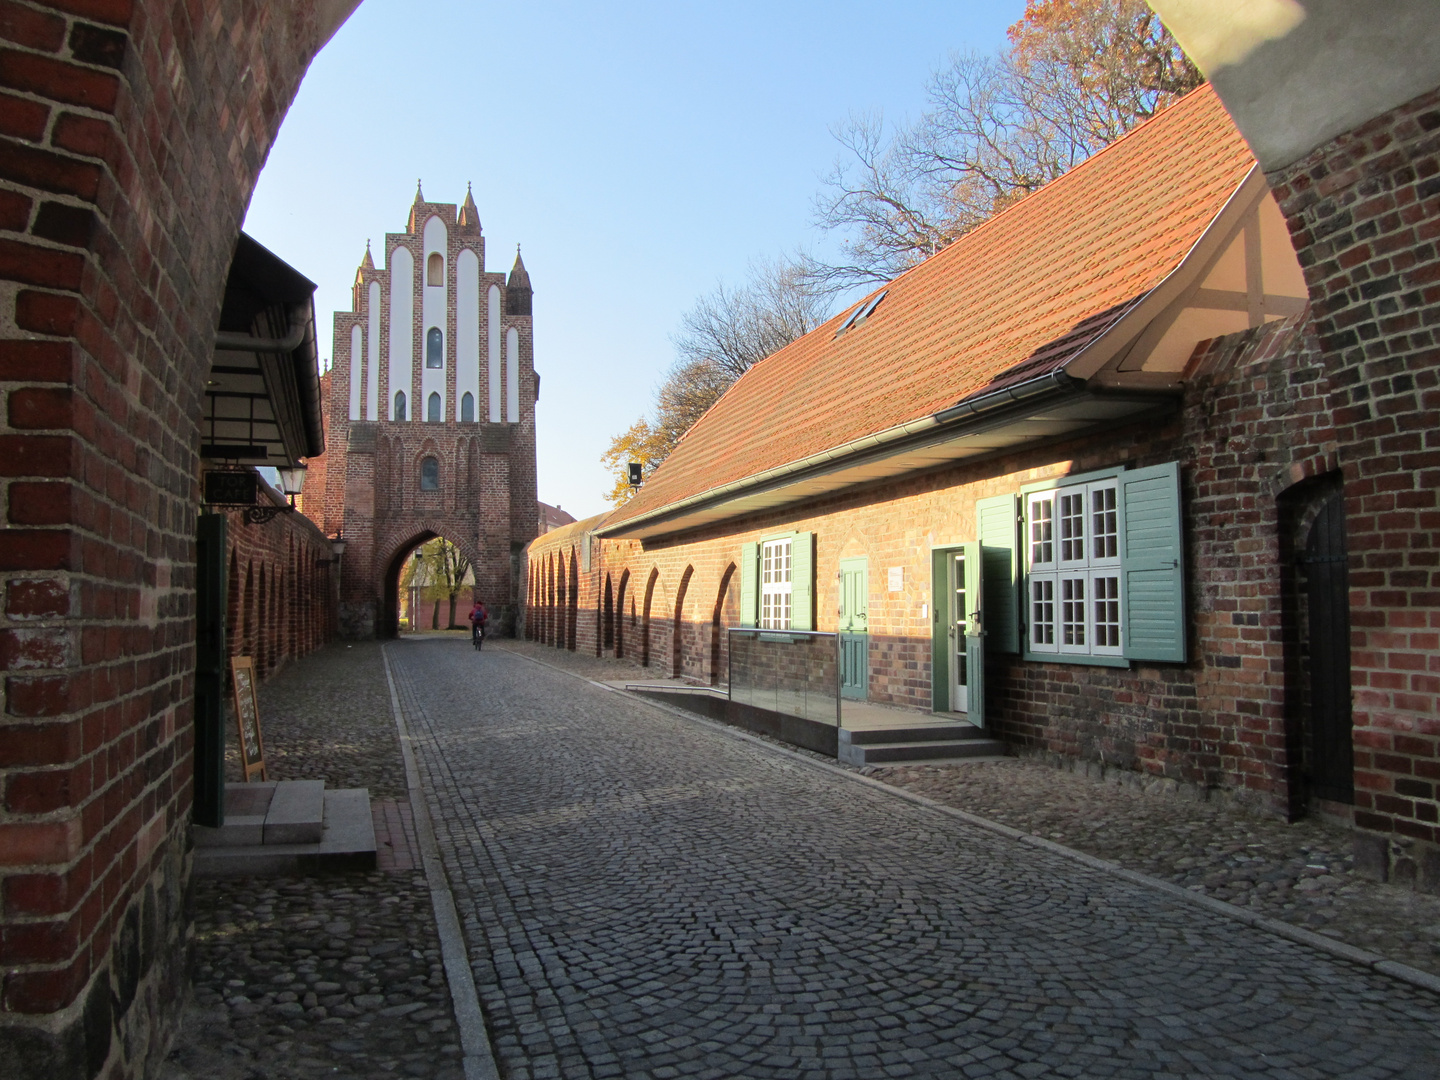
1011	300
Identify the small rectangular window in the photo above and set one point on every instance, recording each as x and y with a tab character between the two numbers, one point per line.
1104	524
1042	614
1042	530
776	585
1105	613
1072	527
1072	615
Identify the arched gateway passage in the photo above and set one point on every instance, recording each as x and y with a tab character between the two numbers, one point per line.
395	565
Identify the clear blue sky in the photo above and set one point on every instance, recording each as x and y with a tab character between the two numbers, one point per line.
641	152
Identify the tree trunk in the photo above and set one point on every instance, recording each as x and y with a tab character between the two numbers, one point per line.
452	611
435	617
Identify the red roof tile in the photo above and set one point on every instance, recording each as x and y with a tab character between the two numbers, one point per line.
1015	298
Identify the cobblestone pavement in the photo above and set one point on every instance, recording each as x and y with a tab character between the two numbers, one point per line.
647	896
338	976
1301	873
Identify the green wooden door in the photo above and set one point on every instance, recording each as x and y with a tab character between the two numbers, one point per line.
854	627
974	623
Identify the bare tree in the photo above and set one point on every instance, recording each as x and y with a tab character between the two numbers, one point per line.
1078	75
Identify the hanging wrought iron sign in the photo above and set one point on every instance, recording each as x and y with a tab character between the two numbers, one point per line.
238	489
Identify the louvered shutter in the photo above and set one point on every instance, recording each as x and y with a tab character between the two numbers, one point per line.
996	523
749	584
802	581
1153	564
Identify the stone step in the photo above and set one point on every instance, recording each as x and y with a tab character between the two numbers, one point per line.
891	753
269	812
347	842
297	813
919	733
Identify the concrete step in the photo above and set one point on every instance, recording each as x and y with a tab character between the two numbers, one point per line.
297	813
972	743
919	733
347	842
269	812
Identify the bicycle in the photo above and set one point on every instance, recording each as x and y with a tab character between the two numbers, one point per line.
477	635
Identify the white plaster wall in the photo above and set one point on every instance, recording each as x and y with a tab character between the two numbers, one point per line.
1296	73
512	375
434	311
402	329
372	344
357	361
467	329
493	315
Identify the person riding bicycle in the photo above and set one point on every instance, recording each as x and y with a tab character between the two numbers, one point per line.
478	618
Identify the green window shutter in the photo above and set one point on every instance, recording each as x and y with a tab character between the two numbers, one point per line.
940	630
997	525
749	585
1153	564
802	581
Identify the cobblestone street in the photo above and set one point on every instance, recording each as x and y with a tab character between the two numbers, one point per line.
335	976
649	896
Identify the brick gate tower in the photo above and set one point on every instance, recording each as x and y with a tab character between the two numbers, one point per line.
431	417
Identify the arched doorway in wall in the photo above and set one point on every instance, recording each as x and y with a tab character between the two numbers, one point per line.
572	618
607	618
403	553
717	624
645	618
620	614
550	599
677	627
562	602
1315	622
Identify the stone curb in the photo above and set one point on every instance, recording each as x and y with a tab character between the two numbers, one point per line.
478	1060
1339	949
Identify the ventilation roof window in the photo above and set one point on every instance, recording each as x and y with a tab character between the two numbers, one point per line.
861	313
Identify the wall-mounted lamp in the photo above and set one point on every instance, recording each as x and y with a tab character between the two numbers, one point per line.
292	479
636	472
337	547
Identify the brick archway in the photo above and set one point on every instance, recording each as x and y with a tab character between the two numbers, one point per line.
394	565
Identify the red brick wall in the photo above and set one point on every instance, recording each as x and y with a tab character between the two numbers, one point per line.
1251	426
133	131
1364	215
293	614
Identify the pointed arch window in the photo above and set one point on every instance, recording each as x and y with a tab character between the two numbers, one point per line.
429	474
432	409
399	405
435	269
434	348
467	408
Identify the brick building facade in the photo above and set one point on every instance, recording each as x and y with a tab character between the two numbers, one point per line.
131	148
133	132
430	417
1273	430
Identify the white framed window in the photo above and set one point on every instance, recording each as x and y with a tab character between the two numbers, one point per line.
1074	580
1040	530
776	584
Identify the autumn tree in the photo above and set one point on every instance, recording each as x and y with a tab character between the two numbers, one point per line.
438	571
727	332
1077	75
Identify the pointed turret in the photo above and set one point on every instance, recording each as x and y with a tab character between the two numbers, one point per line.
367	263
469	223
517	289
415	206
